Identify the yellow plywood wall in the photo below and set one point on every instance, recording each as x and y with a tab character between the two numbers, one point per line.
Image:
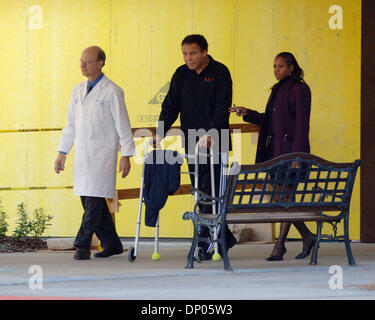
41	43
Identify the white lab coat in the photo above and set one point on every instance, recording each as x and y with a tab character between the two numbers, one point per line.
96	124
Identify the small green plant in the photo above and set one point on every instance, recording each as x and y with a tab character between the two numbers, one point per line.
24	224
40	222
3	223
27	226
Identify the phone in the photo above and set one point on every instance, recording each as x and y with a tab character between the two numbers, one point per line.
237	110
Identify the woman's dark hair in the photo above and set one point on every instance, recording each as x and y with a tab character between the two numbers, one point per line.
198	39
297	73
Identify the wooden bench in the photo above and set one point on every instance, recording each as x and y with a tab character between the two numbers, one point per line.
274	191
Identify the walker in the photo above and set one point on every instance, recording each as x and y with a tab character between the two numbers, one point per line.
133	251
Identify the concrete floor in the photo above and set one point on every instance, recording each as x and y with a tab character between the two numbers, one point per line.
167	279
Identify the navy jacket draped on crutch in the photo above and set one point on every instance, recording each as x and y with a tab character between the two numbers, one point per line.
161	178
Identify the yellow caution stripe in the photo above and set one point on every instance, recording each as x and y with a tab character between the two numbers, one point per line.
35	188
30	130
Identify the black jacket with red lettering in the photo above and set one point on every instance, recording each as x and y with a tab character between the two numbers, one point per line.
202	101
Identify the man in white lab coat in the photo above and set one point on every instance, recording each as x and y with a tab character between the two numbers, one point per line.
97	123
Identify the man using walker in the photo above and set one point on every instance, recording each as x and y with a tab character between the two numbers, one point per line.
201	93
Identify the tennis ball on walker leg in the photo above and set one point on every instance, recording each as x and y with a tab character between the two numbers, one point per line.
156	256
216	257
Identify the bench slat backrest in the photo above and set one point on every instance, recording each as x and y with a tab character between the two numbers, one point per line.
296	181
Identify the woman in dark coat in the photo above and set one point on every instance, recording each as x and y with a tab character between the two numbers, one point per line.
284	128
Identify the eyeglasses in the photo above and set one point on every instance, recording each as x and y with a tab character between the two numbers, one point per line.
87	62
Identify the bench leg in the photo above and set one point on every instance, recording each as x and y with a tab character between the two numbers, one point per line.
349	254
314	254
194	243
223	245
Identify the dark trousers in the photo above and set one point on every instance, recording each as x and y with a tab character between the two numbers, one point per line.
96	219
204	184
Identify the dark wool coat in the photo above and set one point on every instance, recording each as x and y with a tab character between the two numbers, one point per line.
290	119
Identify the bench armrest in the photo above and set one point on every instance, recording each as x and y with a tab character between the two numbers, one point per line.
204	196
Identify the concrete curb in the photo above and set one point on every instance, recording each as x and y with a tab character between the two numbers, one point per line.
60	244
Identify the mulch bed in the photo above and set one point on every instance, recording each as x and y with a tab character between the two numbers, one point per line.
11	244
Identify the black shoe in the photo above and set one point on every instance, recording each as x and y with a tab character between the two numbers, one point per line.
230	244
278	257
306	253
108	252
206	256
82	254
201	255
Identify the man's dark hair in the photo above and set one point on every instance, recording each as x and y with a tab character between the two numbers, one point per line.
198	39
101	56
